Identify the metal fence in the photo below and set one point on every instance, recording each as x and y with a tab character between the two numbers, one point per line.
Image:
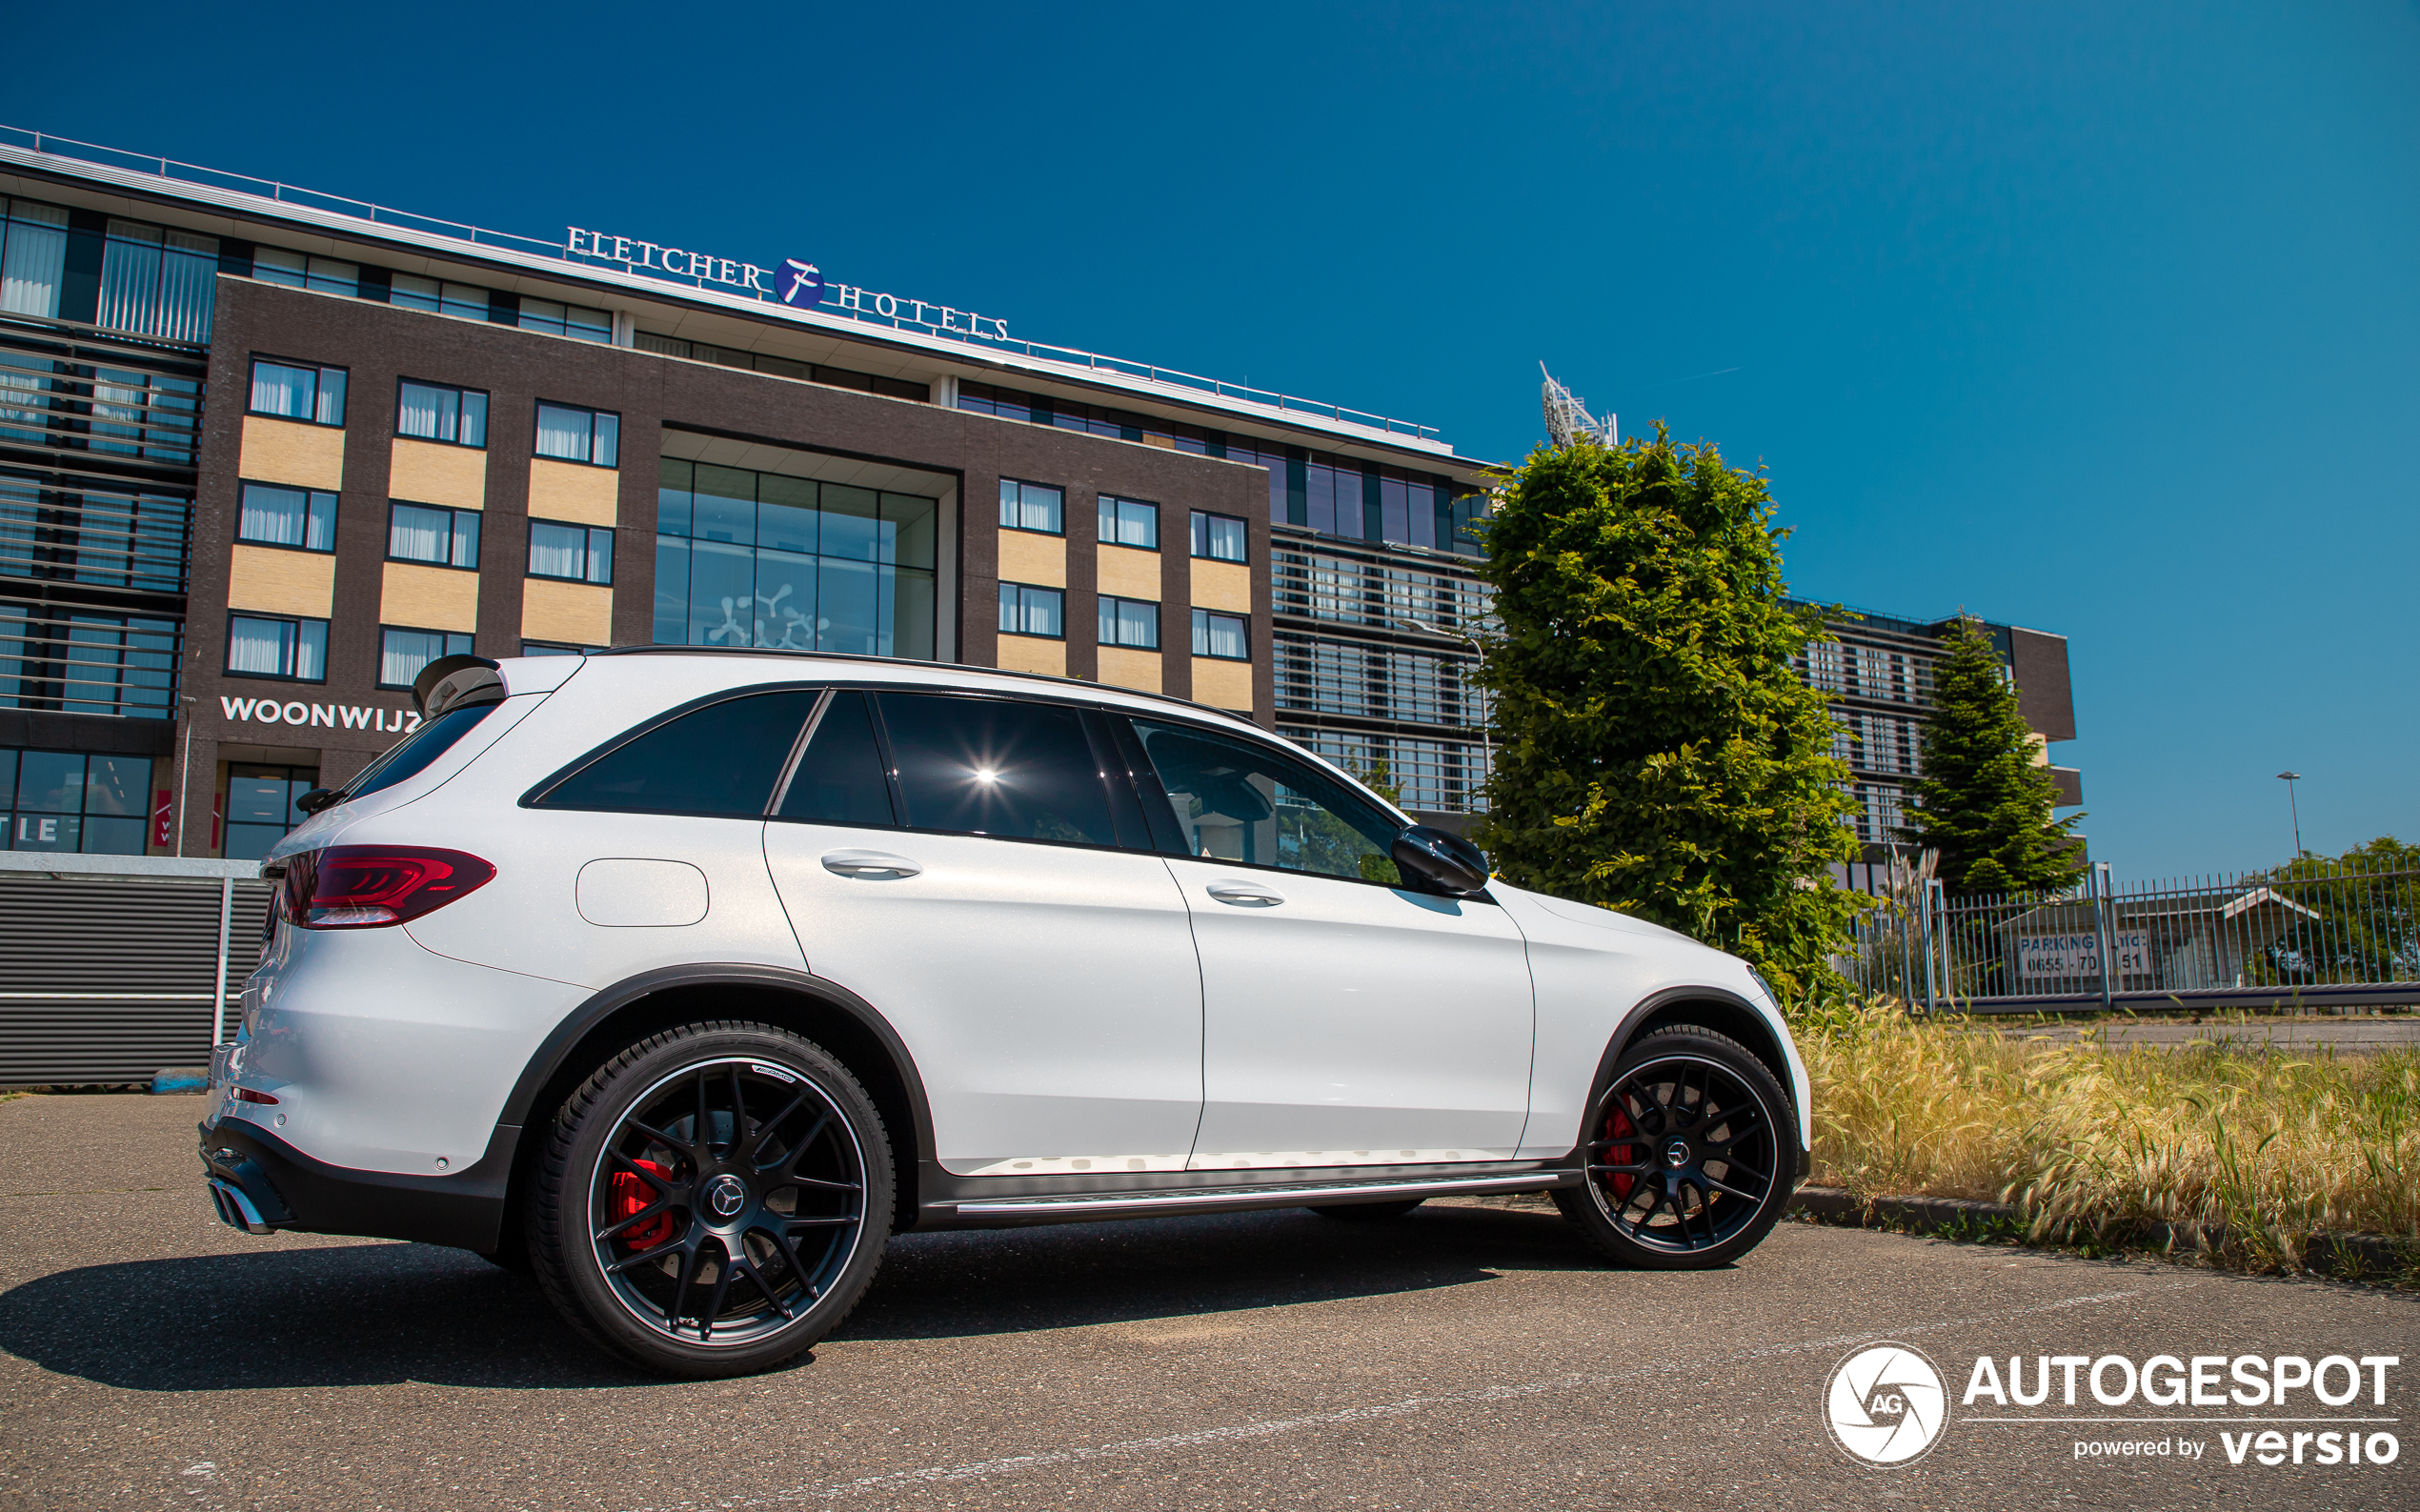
2316	934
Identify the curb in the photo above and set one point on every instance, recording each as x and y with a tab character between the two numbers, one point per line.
2366	1254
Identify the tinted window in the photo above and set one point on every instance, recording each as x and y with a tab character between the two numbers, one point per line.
408	758
722	759
840	780
1238	801
988	766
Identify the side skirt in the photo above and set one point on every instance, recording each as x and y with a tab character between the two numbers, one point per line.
965	1209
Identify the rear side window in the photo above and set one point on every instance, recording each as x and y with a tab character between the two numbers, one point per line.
840	778
989	766
722	759
410	758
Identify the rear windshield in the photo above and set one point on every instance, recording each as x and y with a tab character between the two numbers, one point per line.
408	758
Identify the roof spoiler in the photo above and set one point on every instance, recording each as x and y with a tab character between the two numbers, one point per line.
453	682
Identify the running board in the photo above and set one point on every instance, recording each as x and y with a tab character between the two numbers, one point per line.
1076	1209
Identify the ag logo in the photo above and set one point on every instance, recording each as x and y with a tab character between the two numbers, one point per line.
1886	1404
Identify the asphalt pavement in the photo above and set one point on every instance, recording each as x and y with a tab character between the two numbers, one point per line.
1467	1356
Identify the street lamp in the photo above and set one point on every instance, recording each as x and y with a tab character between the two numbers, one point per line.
2290	779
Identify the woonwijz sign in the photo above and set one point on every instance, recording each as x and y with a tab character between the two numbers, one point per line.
332	715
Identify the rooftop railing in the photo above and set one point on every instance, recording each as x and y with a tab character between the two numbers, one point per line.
172	169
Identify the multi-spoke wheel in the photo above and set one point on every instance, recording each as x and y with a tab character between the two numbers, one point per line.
1691	1149
713	1201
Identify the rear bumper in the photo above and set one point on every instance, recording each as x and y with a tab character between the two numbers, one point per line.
288	1189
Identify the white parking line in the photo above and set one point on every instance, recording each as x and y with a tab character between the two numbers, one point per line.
1374	1411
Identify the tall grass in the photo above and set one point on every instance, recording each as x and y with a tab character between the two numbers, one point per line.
2261	1148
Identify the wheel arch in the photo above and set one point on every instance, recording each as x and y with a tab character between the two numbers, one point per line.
839	1021
1725	1013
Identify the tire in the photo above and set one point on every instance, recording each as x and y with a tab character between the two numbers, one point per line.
693	1148
1366	1212
1671	1185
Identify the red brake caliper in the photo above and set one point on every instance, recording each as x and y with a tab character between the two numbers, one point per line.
629	1197
1618	1127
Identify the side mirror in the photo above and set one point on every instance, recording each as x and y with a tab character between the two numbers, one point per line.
317	799
1442	857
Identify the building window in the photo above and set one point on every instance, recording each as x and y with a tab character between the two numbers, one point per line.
1033	507
64	800
156	282
293	392
1223	637
276	265
1029	611
574	435
260	807
33	256
415	293
402	653
1129	522
1220	537
746	558
431	411
441	537
294	650
1129	622
577	321
548	648
63	658
302	518
575	554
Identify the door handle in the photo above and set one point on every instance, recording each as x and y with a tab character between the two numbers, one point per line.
869	863
1245	895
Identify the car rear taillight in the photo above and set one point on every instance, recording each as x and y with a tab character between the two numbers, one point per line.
369	886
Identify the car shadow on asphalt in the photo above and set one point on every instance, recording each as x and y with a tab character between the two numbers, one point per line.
382	1314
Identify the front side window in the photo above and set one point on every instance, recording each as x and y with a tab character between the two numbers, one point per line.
1129	522
274	515
579	435
577	321
1033	507
1238	801
294	391
1224	636
441	537
840	777
275	265
432	412
1026	610
1129	622
402	653
415	293
992	766
259	646
575	553
721	760
1220	537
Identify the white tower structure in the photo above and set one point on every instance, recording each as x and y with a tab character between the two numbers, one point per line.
1567	415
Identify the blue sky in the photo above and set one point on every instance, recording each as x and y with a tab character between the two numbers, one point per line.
2102	323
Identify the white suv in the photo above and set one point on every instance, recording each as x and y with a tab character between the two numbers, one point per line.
687	978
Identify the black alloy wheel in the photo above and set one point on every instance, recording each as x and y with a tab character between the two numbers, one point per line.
1691	1154
715	1199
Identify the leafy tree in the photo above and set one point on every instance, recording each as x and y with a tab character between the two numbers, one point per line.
1980	801
2366	927
1655	752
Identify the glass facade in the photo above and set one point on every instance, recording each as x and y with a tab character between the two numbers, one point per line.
156	282
66	800
34	255
55	657
258	807
746	558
